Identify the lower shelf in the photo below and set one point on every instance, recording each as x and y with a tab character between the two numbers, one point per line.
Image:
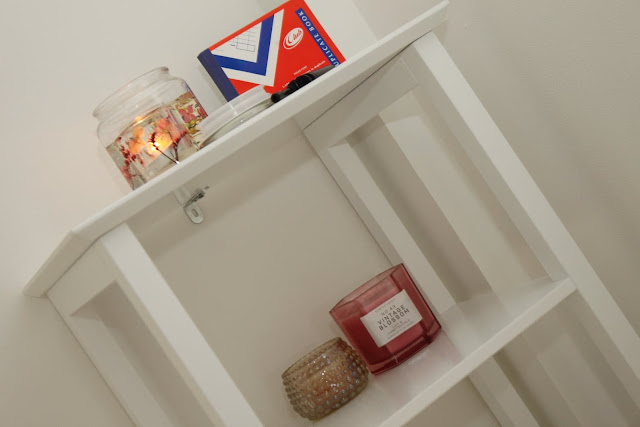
473	331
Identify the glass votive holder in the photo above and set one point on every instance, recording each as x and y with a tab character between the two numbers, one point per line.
386	320
232	114
325	379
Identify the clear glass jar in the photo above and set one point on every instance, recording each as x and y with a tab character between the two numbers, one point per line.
149	125
234	113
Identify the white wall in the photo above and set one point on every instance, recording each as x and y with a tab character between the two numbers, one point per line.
60	59
560	78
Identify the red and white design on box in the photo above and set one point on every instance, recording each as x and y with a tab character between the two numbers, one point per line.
271	51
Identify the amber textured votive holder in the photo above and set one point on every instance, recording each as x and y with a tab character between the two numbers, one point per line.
325	379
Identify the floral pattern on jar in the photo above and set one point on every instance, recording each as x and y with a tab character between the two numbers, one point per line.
191	112
151	145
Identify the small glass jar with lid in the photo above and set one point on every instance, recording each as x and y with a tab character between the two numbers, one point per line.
149	125
232	114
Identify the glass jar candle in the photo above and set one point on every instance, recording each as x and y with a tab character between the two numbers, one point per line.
149	125
386	320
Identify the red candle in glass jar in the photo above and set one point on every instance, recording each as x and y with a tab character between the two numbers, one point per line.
386	320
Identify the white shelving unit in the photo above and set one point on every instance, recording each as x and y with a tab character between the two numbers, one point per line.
193	324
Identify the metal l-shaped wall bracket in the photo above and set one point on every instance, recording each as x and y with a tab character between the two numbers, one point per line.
188	201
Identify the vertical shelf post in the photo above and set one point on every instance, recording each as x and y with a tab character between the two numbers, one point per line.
71	296
327	136
119	259
438	76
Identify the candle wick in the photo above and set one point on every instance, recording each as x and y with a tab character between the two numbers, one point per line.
152	139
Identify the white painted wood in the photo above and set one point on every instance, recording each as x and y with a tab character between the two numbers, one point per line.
501	397
89	276
519	360
383	88
117	260
489	379
572	376
389	231
350	113
452	102
282	247
174	330
475	330
466	212
305	105
476	231
377	92
447	193
66	253
486	146
148	359
607	347
122	377
393	237
96	339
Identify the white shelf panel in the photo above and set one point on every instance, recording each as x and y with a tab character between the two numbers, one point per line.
304	106
475	330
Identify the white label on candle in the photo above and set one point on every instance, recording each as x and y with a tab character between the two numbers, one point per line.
391	318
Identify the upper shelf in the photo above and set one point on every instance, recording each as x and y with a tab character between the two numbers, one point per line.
303	106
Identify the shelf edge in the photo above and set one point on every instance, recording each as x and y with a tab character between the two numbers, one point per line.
496	343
